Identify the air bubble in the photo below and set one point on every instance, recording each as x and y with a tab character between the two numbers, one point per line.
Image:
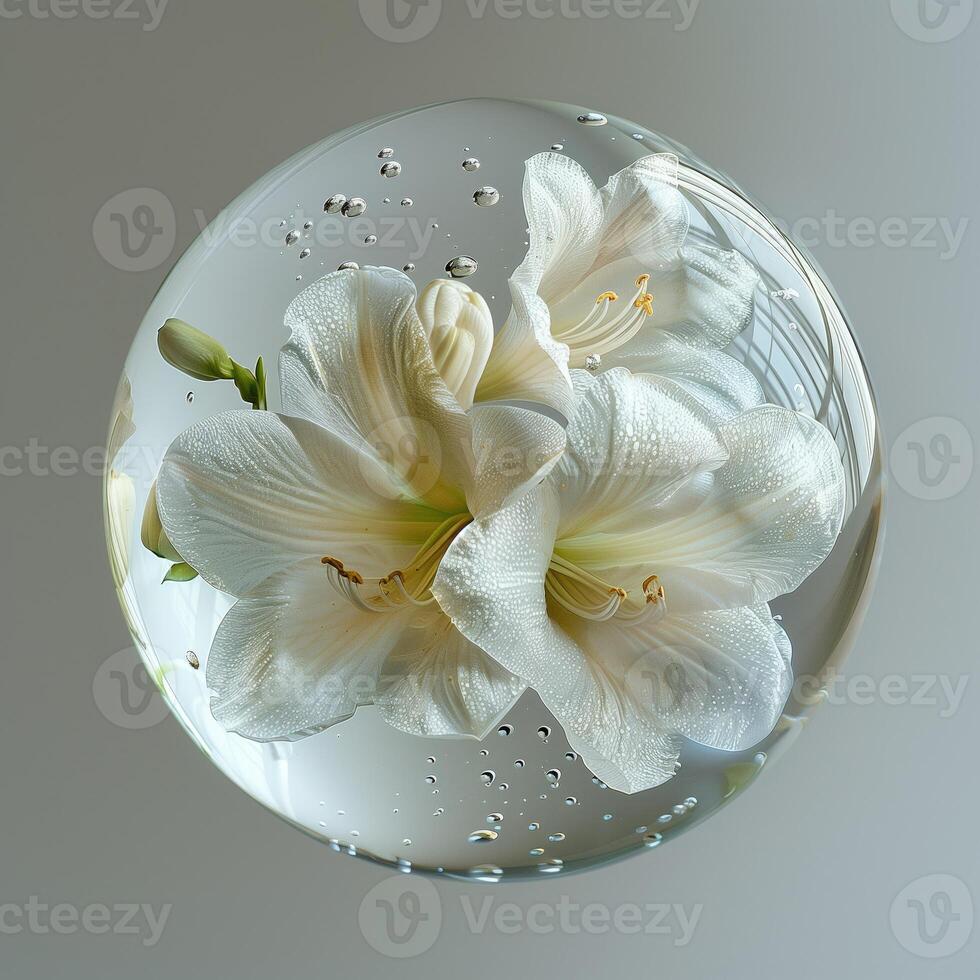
592	119
354	207
470	164
392	169
461	266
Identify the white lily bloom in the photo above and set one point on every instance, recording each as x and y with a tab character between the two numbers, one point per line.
328	523
630	589
609	278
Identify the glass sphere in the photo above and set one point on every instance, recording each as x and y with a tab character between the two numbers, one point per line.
427	191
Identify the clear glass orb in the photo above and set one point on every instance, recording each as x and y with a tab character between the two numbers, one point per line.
427	191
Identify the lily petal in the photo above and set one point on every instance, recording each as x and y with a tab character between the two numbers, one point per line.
491	583
526	363
769	519
723	385
644	214
719	678
633	441
437	683
514	449
359	364
294	657
244	495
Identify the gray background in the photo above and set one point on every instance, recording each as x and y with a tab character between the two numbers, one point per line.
818	109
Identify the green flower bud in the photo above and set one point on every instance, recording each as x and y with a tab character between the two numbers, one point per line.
195	353
152	533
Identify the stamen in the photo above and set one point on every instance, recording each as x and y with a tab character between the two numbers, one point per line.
588	597
399	588
600	331
350	574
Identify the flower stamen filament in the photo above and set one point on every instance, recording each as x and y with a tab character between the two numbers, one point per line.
601	332
400	588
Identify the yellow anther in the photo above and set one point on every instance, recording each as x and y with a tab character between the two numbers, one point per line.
641	281
338	565
653	590
645	303
609	296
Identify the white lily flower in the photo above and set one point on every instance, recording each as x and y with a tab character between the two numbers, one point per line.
630	589
608	279
329	522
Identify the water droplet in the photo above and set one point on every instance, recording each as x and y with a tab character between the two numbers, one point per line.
347	266
486	197
371	240
607	816
431	759
592	363
544	731
640	830
495	818
407	841
439	812
189	397
386	200
570	801
571	756
679	810
392	169
461	266
407	202
664	818
408	267
553	775
305	254
556	838
552	866
557	146
292	238
505	729
653	840
307	225
482	836
592	119
354	207
519	763
536	851
691	802
470	164
488	777
534	825
334	204
193	660
385	153
484	752
430	779
638	136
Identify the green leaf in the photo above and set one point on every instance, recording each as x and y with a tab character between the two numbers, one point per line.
181	572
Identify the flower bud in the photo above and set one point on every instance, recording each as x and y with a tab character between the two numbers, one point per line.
152	533
192	351
458	324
